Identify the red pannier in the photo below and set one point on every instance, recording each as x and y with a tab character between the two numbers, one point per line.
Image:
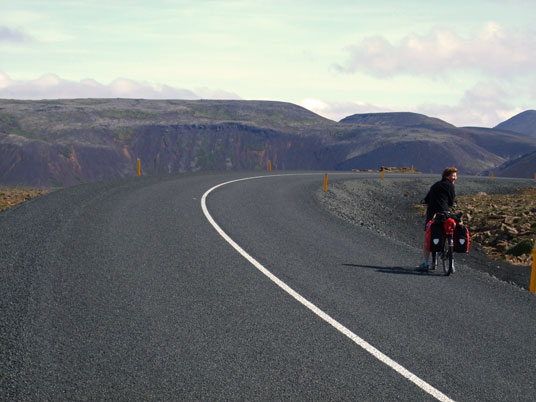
461	239
435	236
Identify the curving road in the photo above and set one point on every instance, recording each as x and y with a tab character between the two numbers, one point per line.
125	291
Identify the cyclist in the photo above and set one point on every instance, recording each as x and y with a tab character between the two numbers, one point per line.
440	198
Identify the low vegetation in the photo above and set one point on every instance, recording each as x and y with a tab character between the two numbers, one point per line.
503	224
12	197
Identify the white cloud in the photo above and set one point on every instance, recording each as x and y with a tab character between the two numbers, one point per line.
492	50
50	86
480	106
339	110
207	93
315	105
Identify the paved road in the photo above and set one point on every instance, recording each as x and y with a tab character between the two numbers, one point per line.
124	291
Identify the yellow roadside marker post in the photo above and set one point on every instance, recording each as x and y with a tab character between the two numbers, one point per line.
326	183
532	286
139	167
492	176
383	173
269	165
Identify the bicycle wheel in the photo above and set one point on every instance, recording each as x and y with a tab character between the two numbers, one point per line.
433	262
447	257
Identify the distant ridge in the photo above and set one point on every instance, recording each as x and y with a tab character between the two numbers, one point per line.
524	166
400	119
523	123
70	141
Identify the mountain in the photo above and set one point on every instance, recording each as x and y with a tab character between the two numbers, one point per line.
523	123
506	144
66	142
524	166
397	119
430	144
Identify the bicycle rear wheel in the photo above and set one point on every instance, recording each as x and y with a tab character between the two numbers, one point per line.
433	262
447	257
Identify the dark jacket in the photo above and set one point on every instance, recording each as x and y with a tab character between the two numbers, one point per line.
440	198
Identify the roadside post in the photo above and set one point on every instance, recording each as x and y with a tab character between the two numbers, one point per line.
492	176
269	165
532	287
383	172
326	183
139	167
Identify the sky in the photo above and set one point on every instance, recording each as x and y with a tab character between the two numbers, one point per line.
470	63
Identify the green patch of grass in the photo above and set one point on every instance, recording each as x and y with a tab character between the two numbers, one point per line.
124	133
66	151
342	134
523	247
215	113
10	124
128	114
210	156
256	147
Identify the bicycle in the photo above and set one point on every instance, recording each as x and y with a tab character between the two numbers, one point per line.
446	255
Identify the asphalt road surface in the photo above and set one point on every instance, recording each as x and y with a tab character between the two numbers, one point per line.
124	290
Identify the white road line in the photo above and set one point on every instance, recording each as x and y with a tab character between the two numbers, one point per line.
341	328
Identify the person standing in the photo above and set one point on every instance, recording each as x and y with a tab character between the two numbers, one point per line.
440	197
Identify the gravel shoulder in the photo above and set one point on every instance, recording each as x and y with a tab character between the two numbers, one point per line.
387	207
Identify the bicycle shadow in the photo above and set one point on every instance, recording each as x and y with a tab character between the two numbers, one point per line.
397	270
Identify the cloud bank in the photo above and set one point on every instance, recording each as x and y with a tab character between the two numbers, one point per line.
50	86
492	50
481	106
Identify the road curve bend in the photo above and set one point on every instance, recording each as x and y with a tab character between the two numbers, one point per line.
123	290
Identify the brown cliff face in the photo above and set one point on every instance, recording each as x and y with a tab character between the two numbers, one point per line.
228	146
161	149
41	164
66	142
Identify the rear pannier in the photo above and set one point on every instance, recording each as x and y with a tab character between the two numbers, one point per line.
461	239
435	236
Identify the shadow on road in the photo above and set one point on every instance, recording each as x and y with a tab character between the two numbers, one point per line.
396	270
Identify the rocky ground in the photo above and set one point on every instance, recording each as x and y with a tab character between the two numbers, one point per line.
498	216
503	224
10	197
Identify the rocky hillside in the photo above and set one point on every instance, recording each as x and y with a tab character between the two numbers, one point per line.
523	123
65	142
397	119
524	166
404	139
506	144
